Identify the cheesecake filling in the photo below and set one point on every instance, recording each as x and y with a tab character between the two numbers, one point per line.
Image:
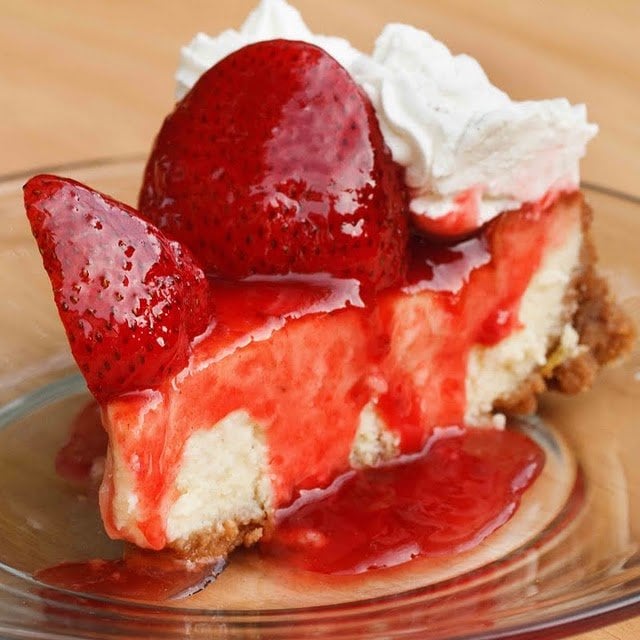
235	488
335	389
544	319
469	151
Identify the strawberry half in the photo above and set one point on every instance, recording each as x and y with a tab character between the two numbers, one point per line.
130	299
275	163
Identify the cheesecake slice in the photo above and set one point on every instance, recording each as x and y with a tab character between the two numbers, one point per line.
302	291
292	381
296	384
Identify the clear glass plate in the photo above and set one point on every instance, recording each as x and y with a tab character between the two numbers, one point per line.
568	561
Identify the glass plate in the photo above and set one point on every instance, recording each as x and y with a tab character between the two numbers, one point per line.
568	561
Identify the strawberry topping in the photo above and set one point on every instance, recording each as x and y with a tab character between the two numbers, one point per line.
130	299
275	163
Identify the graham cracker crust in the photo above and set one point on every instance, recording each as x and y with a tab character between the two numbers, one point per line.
221	541
606	333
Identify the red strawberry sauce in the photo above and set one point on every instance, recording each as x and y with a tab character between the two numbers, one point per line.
441	502
138	575
448	499
445	501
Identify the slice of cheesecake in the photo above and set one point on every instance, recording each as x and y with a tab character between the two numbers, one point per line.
283	397
334	328
293	381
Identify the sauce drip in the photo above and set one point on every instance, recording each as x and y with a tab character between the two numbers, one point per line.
442	502
86	444
139	575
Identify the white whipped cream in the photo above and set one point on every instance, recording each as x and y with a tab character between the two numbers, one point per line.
458	137
270	20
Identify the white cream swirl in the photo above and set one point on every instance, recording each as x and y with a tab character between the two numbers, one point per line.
269	20
466	146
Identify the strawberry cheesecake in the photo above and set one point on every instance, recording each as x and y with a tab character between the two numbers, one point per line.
335	257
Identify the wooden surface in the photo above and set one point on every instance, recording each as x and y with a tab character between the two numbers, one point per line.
93	79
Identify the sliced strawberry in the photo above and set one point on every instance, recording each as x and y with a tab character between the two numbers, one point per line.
130	299
274	163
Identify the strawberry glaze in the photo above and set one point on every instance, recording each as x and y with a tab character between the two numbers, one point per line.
443	502
138	575
306	361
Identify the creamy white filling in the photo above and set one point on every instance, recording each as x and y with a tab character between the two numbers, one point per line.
494	372
374	442
223	476
453	131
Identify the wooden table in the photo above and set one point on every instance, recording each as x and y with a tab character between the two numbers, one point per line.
93	79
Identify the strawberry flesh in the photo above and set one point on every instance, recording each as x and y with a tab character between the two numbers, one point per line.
275	163
130	299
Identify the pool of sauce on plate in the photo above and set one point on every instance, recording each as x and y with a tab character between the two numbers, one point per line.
154	576
443	501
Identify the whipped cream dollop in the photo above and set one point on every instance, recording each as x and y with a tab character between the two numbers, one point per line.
270	20
469	151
